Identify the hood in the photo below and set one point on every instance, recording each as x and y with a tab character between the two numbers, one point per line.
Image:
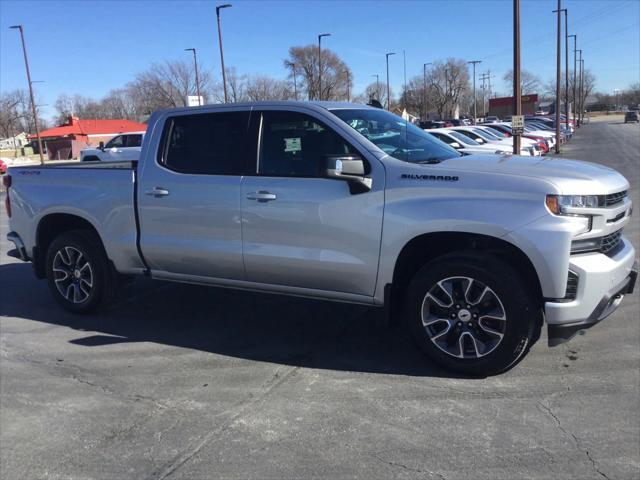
569	176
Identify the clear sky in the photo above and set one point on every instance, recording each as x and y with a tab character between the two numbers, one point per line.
90	47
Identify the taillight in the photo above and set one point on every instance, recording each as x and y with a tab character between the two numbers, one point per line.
6	181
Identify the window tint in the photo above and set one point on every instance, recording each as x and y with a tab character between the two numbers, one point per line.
444	138
115	142
295	145
211	143
134	140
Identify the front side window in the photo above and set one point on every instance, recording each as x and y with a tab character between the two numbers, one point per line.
395	136
134	140
208	143
296	145
115	142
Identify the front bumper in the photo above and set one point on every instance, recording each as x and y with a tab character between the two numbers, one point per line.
602	283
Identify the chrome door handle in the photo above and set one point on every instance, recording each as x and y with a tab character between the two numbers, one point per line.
158	192
261	196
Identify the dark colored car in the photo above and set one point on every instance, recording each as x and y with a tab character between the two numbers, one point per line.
631	116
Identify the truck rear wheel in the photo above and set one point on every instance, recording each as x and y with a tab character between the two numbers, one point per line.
78	271
471	313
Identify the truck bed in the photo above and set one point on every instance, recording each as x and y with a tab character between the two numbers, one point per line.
102	193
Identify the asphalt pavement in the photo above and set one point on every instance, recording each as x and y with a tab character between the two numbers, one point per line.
187	382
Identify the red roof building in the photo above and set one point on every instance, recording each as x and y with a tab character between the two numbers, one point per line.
66	141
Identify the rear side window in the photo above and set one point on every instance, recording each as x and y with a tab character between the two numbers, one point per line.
208	144
295	145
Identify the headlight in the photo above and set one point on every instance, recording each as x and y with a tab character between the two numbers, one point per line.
558	204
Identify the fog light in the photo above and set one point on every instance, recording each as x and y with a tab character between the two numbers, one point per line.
586	245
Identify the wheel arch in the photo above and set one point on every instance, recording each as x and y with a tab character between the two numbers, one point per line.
427	247
51	226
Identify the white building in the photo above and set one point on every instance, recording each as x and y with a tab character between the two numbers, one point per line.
15	142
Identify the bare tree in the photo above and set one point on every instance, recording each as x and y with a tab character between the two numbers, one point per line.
336	75
529	82
261	87
374	91
447	83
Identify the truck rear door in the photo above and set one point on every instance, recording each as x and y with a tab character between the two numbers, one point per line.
188	196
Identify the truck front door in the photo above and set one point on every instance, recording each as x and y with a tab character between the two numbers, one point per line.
301	229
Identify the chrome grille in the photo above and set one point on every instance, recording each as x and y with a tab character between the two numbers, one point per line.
611	241
614	198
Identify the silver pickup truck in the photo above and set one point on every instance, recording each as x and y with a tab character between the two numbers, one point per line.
340	202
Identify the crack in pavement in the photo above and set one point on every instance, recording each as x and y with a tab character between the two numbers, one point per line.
409	469
576	440
172	466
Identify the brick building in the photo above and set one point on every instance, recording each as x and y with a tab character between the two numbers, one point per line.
503	106
66	141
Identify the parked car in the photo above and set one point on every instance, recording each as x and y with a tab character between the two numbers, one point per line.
341	202
506	130
631	116
121	147
483	139
3	167
508	139
491	119
427	124
465	144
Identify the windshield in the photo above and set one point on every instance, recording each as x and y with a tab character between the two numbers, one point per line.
394	136
464	139
484	134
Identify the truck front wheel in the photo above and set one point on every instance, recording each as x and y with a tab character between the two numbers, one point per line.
78	271
471	313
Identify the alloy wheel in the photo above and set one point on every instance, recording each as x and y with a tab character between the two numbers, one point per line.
73	275
463	317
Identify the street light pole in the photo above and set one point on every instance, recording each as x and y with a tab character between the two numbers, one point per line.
377	85
517	107
195	65
575	40
295	82
348	84
475	113
33	102
582	95
320	63
566	68
559	27
579	104
388	88
224	74
424	88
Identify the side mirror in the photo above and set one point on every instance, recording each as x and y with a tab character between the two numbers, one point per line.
101	146
455	145
349	168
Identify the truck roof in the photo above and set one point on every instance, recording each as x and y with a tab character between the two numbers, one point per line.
328	105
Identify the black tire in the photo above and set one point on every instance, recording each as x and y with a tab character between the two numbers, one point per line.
75	292
466	346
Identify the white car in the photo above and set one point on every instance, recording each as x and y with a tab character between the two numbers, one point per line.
524	142
124	147
550	137
483	138
465	144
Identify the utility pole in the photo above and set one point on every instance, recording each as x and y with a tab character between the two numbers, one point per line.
566	68
224	74
195	65
579	104
475	113
575	41
320	63
484	77
388	88
295	83
446	90
404	81
559	27
33	102
517	104
489	81
424	89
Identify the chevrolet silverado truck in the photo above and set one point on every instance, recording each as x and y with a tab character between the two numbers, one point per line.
340	202
126	146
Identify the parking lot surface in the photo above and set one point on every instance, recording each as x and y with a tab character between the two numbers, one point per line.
177	381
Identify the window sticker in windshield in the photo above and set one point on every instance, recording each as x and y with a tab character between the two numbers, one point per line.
292	144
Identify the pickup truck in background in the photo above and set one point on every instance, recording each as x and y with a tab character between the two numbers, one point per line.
121	147
341	202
